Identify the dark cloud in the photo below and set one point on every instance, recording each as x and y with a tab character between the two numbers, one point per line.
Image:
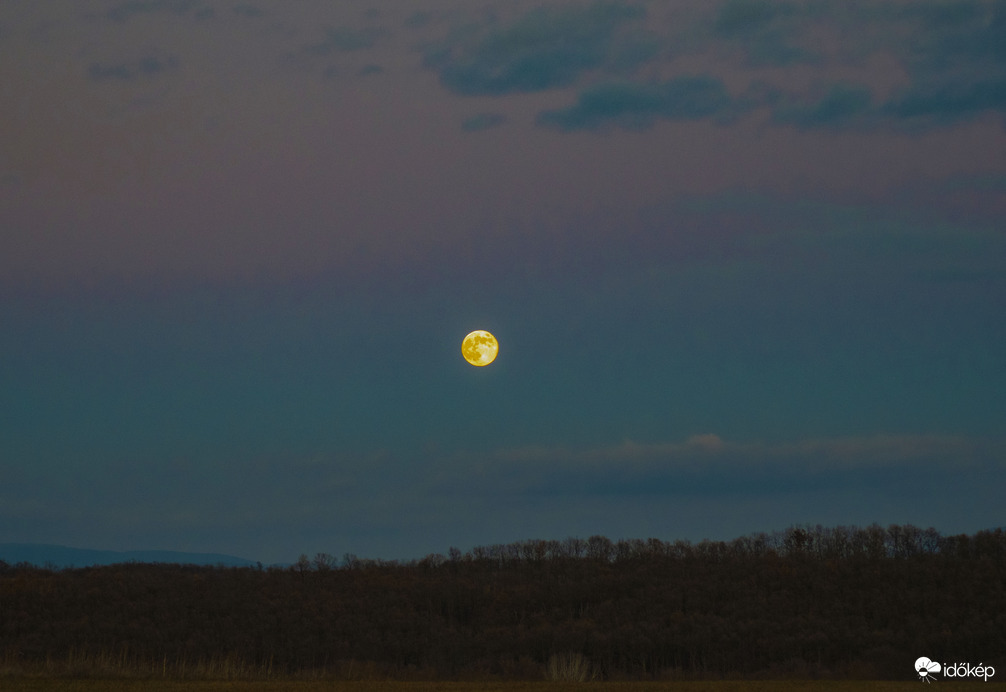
956	55
545	49
145	67
637	106
953	54
840	106
947	34
948	102
483	121
766	30
922	105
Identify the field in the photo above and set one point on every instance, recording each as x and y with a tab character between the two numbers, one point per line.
67	685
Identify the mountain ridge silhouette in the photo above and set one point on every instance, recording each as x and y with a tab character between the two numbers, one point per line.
61	556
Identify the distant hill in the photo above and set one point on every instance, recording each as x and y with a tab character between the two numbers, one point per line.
42	554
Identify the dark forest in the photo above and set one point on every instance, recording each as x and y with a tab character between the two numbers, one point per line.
842	602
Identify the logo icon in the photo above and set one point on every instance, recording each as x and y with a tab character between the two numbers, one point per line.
926	669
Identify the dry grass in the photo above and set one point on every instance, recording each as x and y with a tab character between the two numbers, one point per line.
107	665
571	672
67	685
570	667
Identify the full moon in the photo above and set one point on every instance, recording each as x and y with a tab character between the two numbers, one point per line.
480	347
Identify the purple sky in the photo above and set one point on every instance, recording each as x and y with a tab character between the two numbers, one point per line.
746	262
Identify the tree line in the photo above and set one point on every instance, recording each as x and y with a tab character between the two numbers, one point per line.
848	602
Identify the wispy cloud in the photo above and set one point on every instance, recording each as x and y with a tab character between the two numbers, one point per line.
248	10
767	31
820	453
633	65
344	39
945	103
951	57
147	67
637	106
547	48
952	53
842	104
483	121
709	461
124	11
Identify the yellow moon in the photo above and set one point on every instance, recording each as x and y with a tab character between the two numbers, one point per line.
480	347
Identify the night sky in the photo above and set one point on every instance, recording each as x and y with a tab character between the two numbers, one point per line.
746	262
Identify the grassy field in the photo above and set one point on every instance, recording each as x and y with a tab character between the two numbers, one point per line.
66	685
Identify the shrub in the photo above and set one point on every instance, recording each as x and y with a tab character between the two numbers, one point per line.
569	667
